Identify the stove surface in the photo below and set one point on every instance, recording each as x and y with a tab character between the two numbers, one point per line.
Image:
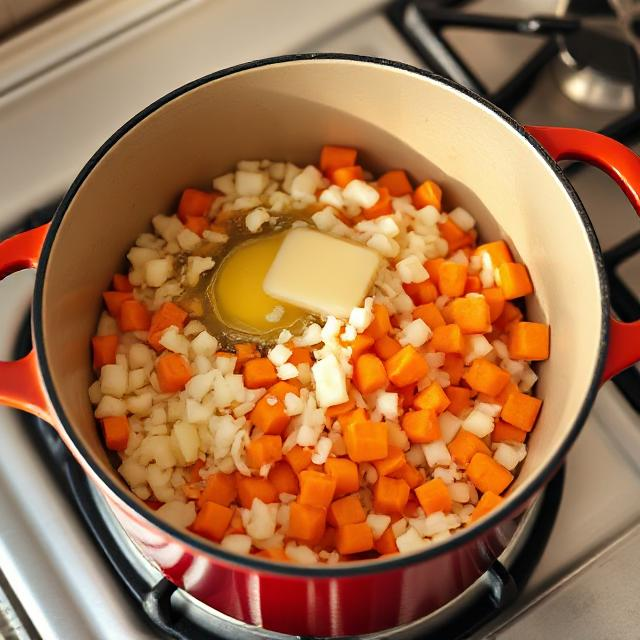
109	63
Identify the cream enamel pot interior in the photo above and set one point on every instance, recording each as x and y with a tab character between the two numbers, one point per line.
287	108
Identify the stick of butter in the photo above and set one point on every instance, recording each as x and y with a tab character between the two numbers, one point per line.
321	273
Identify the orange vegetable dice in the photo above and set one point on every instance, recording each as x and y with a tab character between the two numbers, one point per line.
381	324
212	521
385	347
381	208
434	496
529	341
369	374
390	495
299	458
306	523
395	460
406	367
284	479
447	339
196	224
276	554
509	316
472	315
486	377
360	345
134	316
345	472
386	543
505	432
487	475
460	398
521	410
334	157
245	351
409	474
473	284
113	300
456	238
194	470
347	510
263	450
452	278
421	292
194	202
220	488
357	415
173	372
495	300
300	355
430	315
269	414
433	268
428	193
316	489
433	397
354	538
421	426
344	407
464	446
454	366
169	314
250	488
344	175
121	282
116	432
396	182
514	280
366	441
104	350
258	373
498	252
487	502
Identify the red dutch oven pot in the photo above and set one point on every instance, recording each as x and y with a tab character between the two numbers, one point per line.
287	108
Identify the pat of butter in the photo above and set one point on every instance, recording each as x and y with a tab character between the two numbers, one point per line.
321	273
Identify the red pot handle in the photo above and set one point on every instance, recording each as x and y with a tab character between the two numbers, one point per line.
20	382
623	165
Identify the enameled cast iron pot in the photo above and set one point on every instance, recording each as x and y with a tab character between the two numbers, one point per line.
287	108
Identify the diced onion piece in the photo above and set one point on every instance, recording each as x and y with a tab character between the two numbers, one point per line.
410	269
330	384
378	524
178	514
436	453
478	423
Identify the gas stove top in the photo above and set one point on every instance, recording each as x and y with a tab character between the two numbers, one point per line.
66	570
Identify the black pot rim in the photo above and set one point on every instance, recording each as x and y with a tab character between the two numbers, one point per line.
348	569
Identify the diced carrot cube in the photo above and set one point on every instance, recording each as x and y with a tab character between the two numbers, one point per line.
220	488
487	502
194	470
473	284
454	366
381	324
276	554
529	341
521	410
505	432
421	292
334	157
471	315
486	377
456	238
269	414
434	496
344	175
345	472
464	446
113	301
169	314
397	183
173	372
508	318
360	345
284	479
421	426
196	224
430	315
259	373
357	415
250	488
121	283
381	208
354	538
386	543
394	461
487	475
460	399
428	193
299	458
514	280
433	398
406	367
409	474
366	441
344	407
316	489
369	374
306	522
116	432
390	495
448	339
385	347
347	510
104	350
263	450
212	521
452	277
300	355
498	252
433	268
245	351
194	202
495	300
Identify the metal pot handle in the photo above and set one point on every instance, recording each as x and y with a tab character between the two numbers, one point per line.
623	165
20	382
